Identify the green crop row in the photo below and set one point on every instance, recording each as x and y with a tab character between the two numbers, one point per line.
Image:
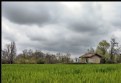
61	73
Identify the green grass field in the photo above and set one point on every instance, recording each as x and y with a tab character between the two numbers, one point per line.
61	73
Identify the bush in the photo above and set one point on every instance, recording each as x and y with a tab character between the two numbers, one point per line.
40	61
103	61
110	61
4	62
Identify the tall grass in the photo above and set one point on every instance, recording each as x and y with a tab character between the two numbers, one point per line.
61	73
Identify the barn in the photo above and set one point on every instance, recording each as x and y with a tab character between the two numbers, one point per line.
90	58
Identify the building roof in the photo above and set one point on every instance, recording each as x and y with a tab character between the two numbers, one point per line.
88	55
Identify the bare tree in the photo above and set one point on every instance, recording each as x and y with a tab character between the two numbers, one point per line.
12	52
113	50
59	57
68	57
9	53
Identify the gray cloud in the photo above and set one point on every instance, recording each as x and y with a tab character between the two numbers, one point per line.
55	27
90	19
32	12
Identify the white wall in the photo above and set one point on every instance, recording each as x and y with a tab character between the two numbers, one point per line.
94	59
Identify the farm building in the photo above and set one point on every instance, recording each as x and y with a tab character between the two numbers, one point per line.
91	58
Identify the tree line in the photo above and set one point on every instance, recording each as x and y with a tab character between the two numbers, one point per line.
110	52
28	56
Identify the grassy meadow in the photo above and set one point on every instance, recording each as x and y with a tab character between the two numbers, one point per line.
61	73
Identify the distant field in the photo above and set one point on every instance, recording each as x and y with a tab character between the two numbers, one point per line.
61	73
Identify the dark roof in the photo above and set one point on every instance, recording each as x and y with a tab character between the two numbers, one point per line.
88	55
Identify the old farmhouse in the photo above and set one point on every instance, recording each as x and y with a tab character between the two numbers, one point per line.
90	58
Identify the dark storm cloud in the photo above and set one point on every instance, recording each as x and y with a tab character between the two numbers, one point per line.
31	12
60	46
73	43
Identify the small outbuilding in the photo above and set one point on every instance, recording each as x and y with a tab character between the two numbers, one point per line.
91	58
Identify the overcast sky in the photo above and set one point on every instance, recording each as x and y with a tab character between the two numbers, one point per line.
60	26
